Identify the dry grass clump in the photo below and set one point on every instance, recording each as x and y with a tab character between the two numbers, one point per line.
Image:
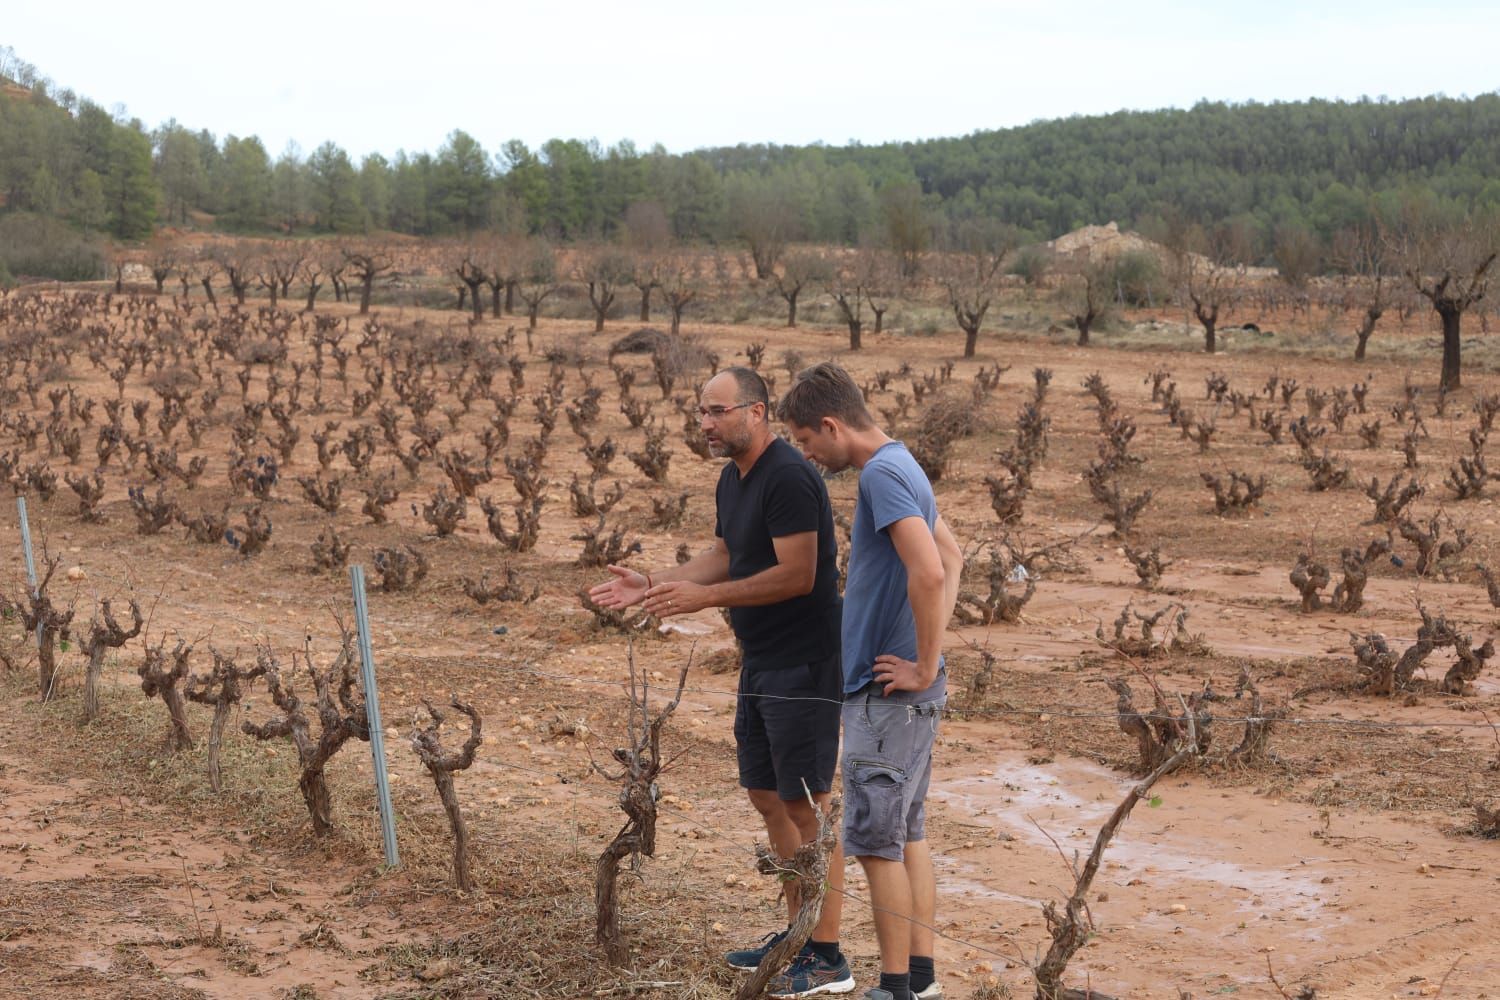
943	424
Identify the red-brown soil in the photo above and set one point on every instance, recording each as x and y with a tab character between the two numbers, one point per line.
1344	862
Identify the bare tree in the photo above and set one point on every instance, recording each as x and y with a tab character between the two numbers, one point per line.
1072	927
681	283
971	277
503	258
314	272
1448	260
760	211
239	261
1205	278
641	764
886	280
204	269
538	278
1363	252
278	266
798	271
1298	255
464	262
1088	293
846	286
162	256
41	618
602	270
907	222
858	280
367	263
646	277
158	680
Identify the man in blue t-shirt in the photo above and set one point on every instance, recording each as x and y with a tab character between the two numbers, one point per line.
903	575
774	565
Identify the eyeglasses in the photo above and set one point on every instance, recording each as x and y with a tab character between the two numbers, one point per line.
718	412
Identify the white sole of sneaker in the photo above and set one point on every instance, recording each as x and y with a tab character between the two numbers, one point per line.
842	986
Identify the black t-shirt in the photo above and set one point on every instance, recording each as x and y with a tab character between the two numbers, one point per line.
782	495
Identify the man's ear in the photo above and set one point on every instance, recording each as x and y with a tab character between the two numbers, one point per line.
829	426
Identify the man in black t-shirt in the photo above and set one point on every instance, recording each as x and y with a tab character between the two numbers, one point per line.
774	566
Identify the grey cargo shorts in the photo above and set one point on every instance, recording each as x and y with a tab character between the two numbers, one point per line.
887	766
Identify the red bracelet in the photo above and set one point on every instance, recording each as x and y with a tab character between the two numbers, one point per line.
648	580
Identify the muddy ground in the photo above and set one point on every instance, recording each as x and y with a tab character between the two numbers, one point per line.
1345	859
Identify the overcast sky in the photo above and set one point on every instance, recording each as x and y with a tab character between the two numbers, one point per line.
380	76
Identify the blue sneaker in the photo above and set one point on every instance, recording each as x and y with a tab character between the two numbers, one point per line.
749	958
811	974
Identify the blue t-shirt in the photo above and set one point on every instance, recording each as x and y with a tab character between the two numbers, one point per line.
877	615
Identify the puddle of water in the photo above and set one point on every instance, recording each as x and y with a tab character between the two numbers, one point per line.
972	889
1050	793
1252	649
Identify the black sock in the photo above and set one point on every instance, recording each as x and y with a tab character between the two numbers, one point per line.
828	951
897	984
922	973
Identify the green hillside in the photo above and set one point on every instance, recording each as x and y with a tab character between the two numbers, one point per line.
1308	168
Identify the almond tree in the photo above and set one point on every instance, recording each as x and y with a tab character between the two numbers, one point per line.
1363	252
1088	292
849	284
799	271
761	212
538	278
315	270
367	263
1448	260
278	267
203	269
971	277
602	270
681	282
886	283
1205	278
646	277
239	260
502	261
161	258
464	262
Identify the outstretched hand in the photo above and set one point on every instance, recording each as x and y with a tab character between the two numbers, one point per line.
626	588
677	597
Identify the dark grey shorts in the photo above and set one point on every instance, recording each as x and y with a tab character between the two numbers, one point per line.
887	765
786	728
